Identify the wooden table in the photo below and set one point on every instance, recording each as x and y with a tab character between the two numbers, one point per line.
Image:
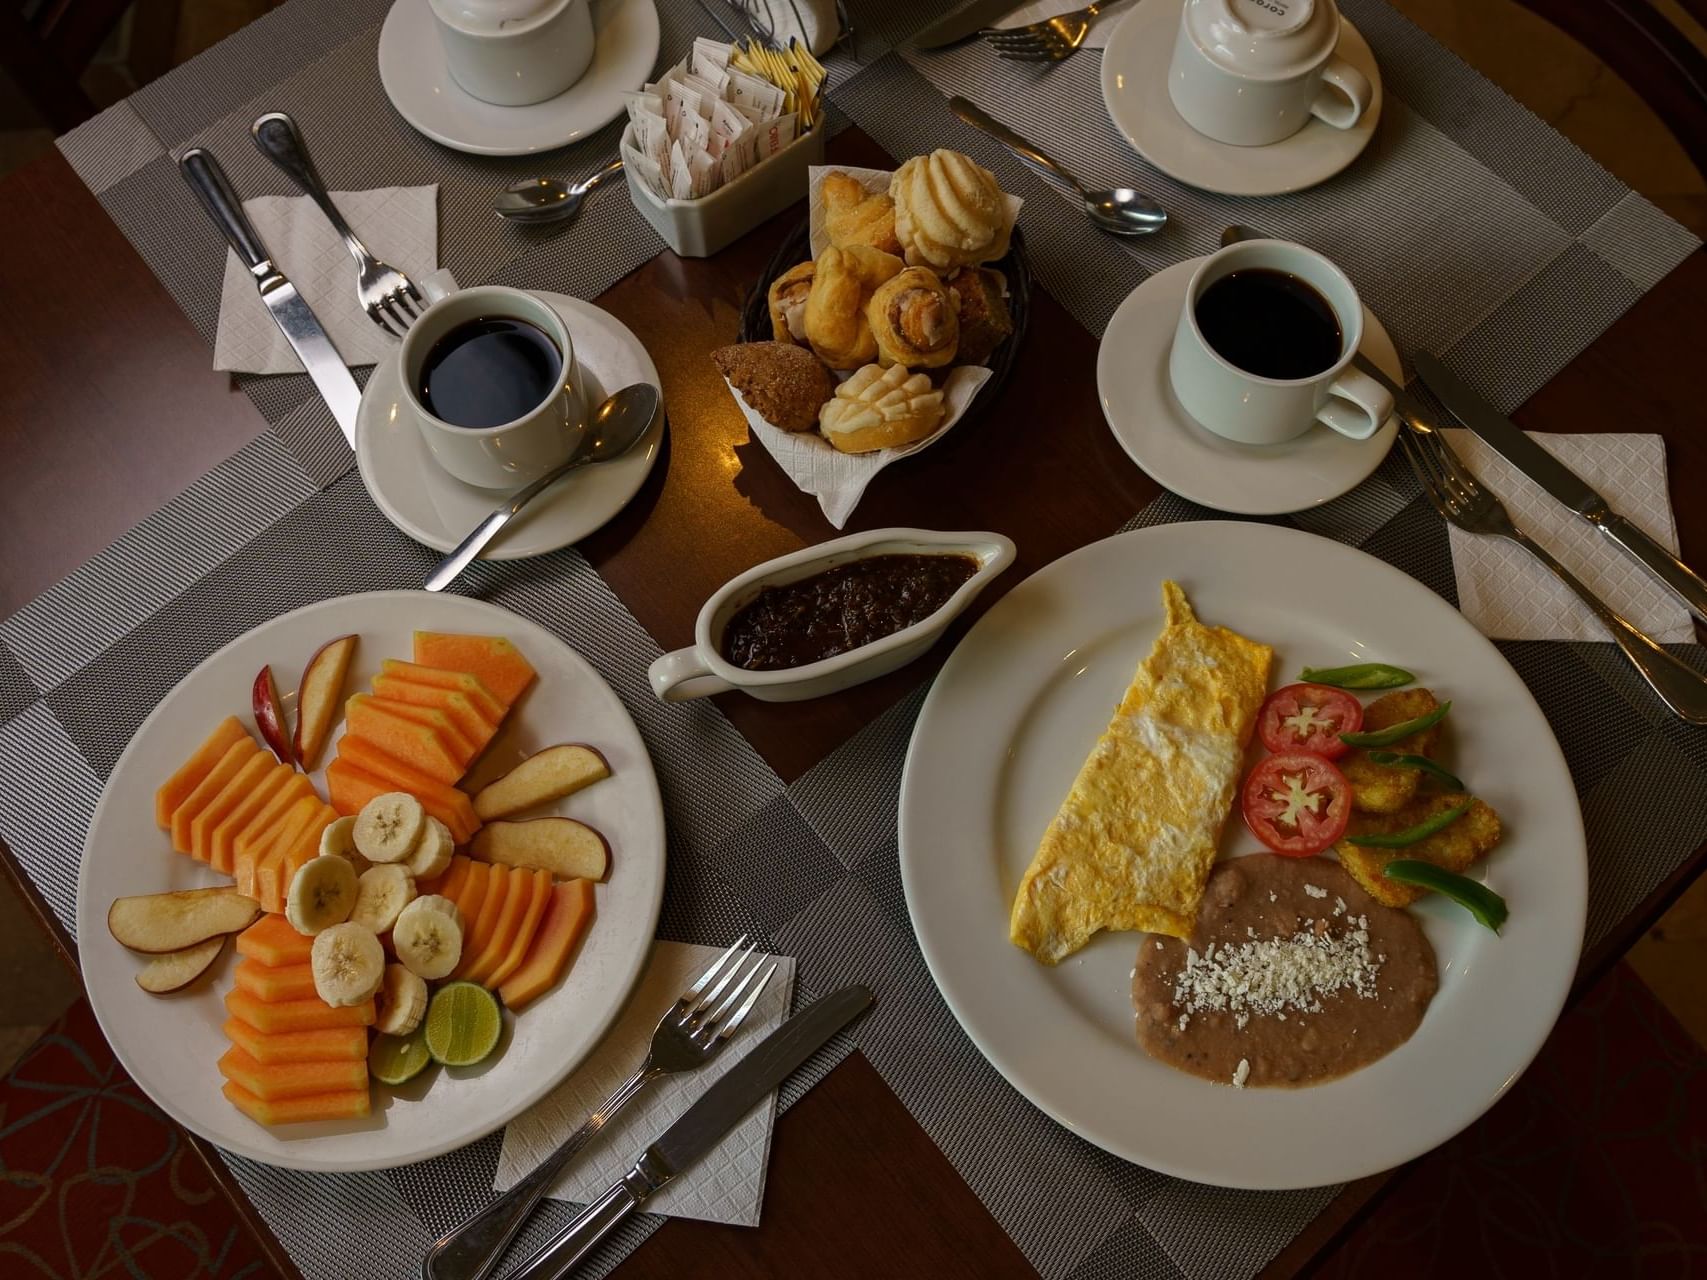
107	411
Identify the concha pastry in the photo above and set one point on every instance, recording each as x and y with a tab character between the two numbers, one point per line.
788	302
913	319
853	215
842	283
880	408
949	212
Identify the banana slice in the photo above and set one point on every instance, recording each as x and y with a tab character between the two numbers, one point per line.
401	1001
381	893
428	936
388	826
322	894
348	964
432	855
339	841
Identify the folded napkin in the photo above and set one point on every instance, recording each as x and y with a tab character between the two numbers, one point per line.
814	23
1102	26
728	1185
400	225
1508	595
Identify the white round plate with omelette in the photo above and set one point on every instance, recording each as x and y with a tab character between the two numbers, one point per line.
170	1044
1000	740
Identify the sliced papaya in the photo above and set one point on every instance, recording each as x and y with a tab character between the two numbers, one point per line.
361	771
465	746
417	745
274	983
496	662
349	1104
457	681
270	862
478	936
304	846
189	774
273	1016
521	936
329	1044
222	842
241	786
272	941
566	919
255	839
227	768
273	1081
457	705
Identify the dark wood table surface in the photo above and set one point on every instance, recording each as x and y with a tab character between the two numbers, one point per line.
108	408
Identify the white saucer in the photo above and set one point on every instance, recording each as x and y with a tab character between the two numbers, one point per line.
433	508
412	69
1157	434
1135	89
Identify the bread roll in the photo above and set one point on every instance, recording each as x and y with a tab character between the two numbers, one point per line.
880	408
949	212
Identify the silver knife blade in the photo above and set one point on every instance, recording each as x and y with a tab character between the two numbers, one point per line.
965	21
301	328
1566	486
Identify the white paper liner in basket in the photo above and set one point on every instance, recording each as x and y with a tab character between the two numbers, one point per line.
838	480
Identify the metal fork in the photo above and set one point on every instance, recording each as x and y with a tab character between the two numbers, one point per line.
386	294
691	1034
1048	41
1465	502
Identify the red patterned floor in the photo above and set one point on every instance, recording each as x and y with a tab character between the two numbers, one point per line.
1594	1165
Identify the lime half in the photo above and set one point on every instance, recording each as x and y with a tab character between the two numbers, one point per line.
463	1024
398	1059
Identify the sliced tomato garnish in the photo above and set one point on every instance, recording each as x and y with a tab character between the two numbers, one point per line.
1297	804
1309	717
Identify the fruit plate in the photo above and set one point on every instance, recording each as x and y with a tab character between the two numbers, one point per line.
170	1044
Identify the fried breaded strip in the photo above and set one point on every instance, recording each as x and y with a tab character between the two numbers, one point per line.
1385	788
1455	847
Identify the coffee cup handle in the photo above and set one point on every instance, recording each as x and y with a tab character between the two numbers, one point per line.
681	675
1344	95
1357	405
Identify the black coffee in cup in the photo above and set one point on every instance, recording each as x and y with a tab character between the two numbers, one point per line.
489	371
1270	323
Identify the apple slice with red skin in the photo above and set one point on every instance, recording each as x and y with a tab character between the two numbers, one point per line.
270	715
320	696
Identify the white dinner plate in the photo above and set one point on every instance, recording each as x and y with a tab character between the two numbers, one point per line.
1135	90
1000	740
170	1044
1160	436
432	507
412	69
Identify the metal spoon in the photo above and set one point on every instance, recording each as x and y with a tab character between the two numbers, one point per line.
1120	212
616	426
548	199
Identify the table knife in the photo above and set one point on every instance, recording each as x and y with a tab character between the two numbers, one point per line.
700	1128
1565	485
292	315
967	20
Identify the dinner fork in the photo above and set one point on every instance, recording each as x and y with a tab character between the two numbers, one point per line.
691	1033
1048	41
1466	502
385	293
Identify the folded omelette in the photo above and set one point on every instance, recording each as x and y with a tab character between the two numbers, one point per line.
1135	838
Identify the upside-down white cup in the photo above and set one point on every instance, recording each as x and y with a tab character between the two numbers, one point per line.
1252	72
513	453
1251	409
513	53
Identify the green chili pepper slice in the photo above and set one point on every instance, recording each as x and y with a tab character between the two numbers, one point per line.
1404	729
1475	897
1403	761
1415	835
1362	675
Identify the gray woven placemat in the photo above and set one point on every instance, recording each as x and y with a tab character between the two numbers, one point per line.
1547	246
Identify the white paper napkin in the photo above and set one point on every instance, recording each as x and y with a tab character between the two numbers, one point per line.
1509	596
1102	26
728	1184
813	22
400	225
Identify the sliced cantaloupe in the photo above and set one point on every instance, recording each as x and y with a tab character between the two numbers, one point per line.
456	681
235	757
478	942
348	1105
270	862
450	884
242	785
256	838
222	841
190	774
467	714
274	1081
418	745
464	745
304	846
493	660
275	982
471	899
273	1016
567	916
515	944
329	1044
272	941
361	771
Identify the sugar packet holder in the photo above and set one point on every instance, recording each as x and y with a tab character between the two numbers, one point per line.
838	480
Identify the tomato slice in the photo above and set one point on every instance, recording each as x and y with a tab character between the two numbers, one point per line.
1297	804
1309	717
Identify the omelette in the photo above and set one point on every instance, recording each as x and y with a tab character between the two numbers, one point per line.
1135	838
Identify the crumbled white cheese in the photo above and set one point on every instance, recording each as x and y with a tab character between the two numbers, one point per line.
1241	1073
1158	946
1271	976
1273	896
1339	906
1240	1020
1134	972
1184	1021
1315	891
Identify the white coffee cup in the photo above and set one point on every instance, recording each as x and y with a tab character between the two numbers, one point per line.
513	53
512	453
1251	409
1251	72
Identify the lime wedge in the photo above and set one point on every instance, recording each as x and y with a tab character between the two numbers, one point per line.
398	1059
463	1024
